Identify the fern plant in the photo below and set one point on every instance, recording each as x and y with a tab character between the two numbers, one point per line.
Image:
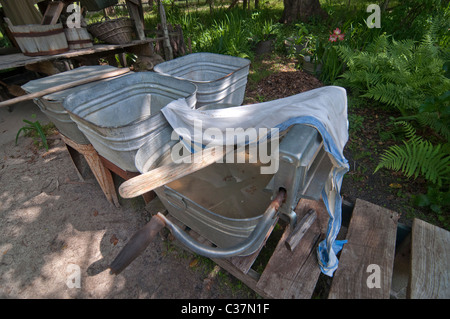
400	74
418	157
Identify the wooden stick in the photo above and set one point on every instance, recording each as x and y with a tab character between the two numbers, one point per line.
168	173
64	86
300	229
137	244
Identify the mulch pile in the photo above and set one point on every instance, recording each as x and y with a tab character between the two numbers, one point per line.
283	84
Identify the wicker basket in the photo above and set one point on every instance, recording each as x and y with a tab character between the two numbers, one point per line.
116	31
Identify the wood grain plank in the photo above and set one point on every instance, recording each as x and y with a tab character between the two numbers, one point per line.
430	262
371	241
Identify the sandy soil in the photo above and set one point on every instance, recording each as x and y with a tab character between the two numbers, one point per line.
54	226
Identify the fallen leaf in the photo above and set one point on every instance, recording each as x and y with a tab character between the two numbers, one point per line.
193	263
114	240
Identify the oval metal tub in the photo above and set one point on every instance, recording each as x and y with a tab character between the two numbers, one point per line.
52	104
119	115
219	78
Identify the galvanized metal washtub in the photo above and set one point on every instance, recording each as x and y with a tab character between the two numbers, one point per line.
118	116
224	202
52	104
219	78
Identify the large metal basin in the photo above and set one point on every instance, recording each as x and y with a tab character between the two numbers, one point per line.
52	104
119	115
224	201
219	78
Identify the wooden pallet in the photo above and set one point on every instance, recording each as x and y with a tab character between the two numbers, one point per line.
295	274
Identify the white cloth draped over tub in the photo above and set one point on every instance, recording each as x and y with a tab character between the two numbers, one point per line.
324	108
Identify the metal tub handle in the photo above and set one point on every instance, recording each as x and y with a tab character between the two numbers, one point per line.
140	240
215	252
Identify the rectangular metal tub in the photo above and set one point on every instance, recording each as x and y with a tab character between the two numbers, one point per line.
224	202
118	116
219	78
52	104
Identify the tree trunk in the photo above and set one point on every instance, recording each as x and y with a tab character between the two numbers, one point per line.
301	9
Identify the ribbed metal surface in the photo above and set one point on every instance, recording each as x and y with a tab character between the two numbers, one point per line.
118	116
52	104
219	78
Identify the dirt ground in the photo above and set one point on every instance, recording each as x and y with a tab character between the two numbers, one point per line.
51	223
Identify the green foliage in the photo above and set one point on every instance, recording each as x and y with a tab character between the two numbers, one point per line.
436	200
434	113
33	127
400	74
232	32
418	157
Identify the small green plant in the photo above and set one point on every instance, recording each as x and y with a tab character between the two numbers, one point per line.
436	200
33	127
332	64
418	157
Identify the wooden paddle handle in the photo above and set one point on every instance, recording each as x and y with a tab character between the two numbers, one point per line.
137	244
163	175
64	86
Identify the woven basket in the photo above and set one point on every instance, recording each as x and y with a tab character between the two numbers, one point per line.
116	31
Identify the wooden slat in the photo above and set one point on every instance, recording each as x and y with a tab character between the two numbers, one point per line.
294	274
371	241
52	12
430	262
244	263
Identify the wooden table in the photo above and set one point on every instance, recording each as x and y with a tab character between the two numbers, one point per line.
139	47
102	169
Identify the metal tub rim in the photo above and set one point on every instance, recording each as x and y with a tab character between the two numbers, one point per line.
158	68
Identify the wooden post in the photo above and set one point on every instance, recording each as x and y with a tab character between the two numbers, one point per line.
168	54
137	15
101	173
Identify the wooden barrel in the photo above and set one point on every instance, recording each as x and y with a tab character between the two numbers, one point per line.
78	38
37	39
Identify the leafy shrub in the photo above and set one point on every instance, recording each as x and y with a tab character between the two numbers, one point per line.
397	73
418	157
